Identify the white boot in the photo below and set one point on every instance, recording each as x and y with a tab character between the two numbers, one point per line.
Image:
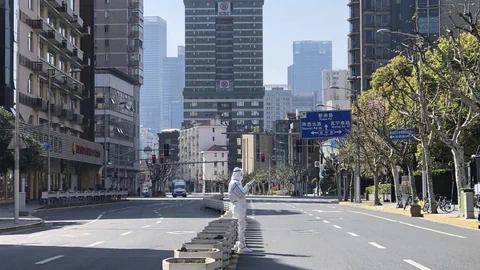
244	250
236	247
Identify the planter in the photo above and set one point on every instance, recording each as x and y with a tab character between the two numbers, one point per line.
189	264
201	253
209	244
227	237
416	211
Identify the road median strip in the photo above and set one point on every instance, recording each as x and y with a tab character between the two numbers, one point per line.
470	223
22	227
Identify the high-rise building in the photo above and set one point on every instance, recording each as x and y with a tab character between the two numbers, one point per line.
119	36
335	89
277	102
148	139
7	25
224	66
51	92
155	50
304	102
310	59
290	77
173	82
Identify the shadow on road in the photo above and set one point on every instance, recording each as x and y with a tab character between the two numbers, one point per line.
28	257
258	259
268	212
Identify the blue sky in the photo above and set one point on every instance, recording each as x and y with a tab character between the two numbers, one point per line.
285	21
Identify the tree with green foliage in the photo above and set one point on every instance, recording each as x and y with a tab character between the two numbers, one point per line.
30	159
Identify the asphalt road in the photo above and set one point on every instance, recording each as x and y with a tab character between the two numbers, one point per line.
134	235
314	234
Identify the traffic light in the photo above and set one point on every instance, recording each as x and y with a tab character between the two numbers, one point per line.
166	149
154	159
262	157
162	158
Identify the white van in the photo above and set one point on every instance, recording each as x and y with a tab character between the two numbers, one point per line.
179	188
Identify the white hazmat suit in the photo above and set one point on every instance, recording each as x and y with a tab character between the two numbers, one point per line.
237	195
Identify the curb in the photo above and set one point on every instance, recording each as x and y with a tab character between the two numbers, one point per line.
472	223
75	207
23	227
233	262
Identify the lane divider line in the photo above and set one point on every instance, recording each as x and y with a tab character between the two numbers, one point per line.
326	221
417	265
96	244
377	245
146	226
336	226
50	259
125	233
353	234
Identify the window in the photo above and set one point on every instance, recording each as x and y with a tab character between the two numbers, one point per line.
73	39
215	164
255	113
30	41
63	30
215	172
29	84
240	113
193	113
106	13
62	65
213	138
107	42
214	154
107	28
240	104
107	57
255	103
73	104
223	155
72	4
213	130
51	58
29	3
107	1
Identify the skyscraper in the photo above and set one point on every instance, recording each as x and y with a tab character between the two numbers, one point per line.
7	53
172	84
224	66
155	50
310	59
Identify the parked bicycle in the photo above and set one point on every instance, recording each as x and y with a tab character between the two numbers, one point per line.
409	201
476	200
442	203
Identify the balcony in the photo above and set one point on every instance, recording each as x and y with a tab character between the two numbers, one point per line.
59	79
78	88
78	118
131	48
40	26
134	63
40	68
77	54
54	3
86	30
41	104
134	4
86	94
86	62
66	11
55	37
67	46
77	21
134	34
55	110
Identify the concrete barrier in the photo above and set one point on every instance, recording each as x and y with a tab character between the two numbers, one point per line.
201	253
189	264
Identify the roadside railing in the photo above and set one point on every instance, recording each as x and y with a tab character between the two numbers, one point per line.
65	198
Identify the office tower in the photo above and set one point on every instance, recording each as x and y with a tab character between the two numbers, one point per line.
290	77
51	93
310	59
7	31
172	84
119	36
304	102
224	66
155	50
277	102
335	90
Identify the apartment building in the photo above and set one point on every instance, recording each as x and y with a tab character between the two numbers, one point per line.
215	168
278	102
336	93
49	62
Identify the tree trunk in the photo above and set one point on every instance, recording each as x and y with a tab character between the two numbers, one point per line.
347	186
396	181
411	178
428	172
351	187
460	176
376	199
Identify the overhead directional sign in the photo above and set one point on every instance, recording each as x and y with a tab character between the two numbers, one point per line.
325	124
401	134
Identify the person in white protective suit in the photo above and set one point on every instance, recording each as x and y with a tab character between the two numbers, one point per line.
237	195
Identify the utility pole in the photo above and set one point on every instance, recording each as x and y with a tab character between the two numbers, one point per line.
16	177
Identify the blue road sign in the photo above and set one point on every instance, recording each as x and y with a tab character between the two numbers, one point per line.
46	146
325	124
401	134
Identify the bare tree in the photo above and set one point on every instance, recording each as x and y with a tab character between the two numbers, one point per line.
161	174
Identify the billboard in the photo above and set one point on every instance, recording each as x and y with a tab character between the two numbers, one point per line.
224	9
224	85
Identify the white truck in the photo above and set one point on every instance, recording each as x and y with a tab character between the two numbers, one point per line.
179	188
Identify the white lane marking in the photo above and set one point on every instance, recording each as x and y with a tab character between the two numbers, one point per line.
417	265
146	226
310	215
158	221
96	244
323	211
268	203
411	225
87	234
317	217
353	234
326	221
125	233
377	245
95	220
69	235
50	259
336	226
34	235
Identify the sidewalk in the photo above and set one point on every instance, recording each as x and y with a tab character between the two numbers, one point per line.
449	218
7	221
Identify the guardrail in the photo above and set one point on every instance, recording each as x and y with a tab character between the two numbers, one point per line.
87	197
216	203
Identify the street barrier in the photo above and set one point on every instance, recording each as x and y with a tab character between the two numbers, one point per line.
65	198
214	243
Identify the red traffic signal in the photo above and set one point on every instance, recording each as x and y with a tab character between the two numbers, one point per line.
262	156
154	159
162	157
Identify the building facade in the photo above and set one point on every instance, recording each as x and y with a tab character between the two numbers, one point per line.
195	139
304	101
290	77
117	126
119	36
155	50
7	52
224	66
335	89
49	51
215	168
169	141
253	146
277	102
147	139
172	84
310	59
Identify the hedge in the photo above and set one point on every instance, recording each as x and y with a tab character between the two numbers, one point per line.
382	189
